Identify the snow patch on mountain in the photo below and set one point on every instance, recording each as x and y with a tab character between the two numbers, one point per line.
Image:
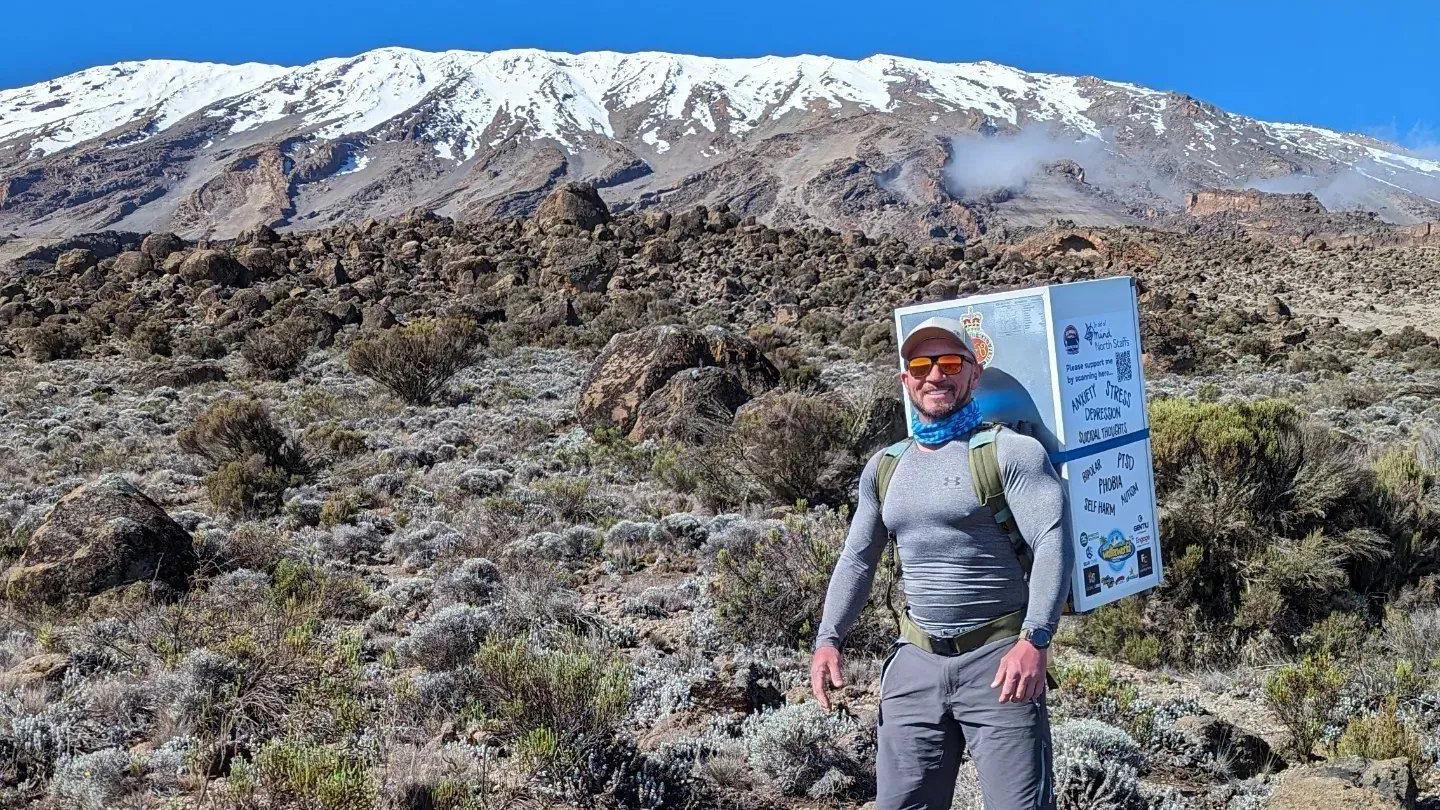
71	109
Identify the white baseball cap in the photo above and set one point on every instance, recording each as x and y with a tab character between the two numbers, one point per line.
937	326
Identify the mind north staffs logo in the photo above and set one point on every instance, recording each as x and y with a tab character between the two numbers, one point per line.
984	346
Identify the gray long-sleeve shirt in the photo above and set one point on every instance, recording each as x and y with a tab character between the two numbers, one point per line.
960	569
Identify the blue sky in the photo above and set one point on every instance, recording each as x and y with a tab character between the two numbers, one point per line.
1363	67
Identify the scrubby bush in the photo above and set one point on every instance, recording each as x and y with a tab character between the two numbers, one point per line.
245	546
248	488
416	360
235	430
573	546
1302	696
151	337
201	344
334	441
1406	507
94	781
273	353
793	445
448	639
800	745
1096	766
1382	735
56	341
475	581
554	703
1094	691
309	775
254	460
1268	526
785	446
771	583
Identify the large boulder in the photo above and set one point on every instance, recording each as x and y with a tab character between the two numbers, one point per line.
741	686
75	261
576	204
689	406
581	264
159	246
634	365
1350	783
660	251
1246	753
214	266
133	264
101	535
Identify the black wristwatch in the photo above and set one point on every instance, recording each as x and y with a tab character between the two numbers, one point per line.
1039	637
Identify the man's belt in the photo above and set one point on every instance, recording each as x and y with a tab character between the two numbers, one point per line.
1007	626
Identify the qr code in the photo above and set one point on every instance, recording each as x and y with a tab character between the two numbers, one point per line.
1123	370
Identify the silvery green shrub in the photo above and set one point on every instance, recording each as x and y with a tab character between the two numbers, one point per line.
94	781
476	581
166	765
796	745
1096	767
448	639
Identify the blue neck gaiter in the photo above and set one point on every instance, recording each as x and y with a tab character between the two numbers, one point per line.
959	423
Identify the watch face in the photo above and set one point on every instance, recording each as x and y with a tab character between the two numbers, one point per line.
1040	638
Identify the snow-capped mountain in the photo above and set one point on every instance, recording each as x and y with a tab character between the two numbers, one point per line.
879	143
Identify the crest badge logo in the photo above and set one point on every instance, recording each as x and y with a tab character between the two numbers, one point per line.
984	346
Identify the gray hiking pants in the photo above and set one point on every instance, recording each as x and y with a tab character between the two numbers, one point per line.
933	707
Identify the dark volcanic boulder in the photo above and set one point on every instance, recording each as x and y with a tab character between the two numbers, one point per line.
689	406
101	535
1247	753
213	266
158	246
581	264
133	264
468	271
577	204
634	365
74	261
259	262
660	251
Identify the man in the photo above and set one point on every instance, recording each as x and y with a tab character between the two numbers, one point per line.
969	671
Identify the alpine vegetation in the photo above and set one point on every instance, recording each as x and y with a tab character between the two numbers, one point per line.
540	511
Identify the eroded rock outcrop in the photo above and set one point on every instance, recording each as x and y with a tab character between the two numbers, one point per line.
101	535
1351	783
576	204
634	365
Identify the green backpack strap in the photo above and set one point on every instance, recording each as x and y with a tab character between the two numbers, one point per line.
885	470
990	488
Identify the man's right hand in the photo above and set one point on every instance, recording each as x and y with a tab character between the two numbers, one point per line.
825	666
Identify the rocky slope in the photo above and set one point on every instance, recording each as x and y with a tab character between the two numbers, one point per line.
302	589
885	144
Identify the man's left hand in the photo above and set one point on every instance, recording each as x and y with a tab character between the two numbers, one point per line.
1021	675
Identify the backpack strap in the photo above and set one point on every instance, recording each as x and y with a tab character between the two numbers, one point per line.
884	471
989	487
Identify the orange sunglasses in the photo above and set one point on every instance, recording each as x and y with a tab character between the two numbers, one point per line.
950	365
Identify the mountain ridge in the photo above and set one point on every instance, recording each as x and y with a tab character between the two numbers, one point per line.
882	143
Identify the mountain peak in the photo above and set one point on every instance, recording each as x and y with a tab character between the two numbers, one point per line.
488	131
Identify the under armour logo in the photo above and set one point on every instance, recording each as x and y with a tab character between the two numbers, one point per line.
953	481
